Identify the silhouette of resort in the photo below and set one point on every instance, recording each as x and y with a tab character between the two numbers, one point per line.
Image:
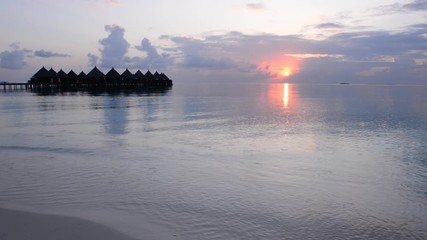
97	79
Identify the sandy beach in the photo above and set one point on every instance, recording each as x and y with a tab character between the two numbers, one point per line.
19	225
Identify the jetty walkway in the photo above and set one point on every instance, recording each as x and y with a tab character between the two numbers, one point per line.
15	86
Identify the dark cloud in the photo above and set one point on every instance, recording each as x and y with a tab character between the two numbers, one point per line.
199	61
114	47
146	46
417	5
153	59
360	56
14	58
363	44
49	54
256	6
378	56
412	6
196	53
329	25
233	50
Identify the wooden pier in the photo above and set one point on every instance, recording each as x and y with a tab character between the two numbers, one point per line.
58	87
15	86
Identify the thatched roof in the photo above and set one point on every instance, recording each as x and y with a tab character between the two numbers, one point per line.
95	73
113	74
82	74
72	74
156	75
42	73
127	74
52	73
148	74
163	76
139	74
62	74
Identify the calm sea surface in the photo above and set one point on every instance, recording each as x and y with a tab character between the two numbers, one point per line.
233	161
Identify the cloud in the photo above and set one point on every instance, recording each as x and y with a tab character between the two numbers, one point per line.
358	56
146	46
114	52
197	53
93	60
417	5
49	54
412	6
153	59
233	50
256	6
114	47
373	71
329	25
14	58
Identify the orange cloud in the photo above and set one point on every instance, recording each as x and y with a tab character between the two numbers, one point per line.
280	67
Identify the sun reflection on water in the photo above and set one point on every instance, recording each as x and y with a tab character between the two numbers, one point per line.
286	95
281	96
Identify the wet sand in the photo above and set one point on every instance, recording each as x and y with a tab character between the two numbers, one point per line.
19	225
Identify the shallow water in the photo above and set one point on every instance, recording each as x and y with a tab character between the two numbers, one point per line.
236	161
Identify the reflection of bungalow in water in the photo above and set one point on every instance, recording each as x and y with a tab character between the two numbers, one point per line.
97	78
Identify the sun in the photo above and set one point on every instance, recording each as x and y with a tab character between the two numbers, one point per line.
280	67
286	72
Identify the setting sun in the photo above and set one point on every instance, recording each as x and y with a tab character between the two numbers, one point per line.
286	72
281	67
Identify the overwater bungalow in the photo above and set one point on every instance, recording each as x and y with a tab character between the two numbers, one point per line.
81	78
113	76
165	80
62	77
127	76
42	76
72	76
149	78
156	76
139	77
53	75
96	78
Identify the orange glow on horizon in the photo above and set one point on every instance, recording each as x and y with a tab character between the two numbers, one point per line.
281	67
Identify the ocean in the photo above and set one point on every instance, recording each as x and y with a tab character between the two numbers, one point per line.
223	161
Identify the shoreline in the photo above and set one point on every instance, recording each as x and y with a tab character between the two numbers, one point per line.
23	225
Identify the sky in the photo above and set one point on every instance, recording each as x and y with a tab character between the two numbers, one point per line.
306	41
